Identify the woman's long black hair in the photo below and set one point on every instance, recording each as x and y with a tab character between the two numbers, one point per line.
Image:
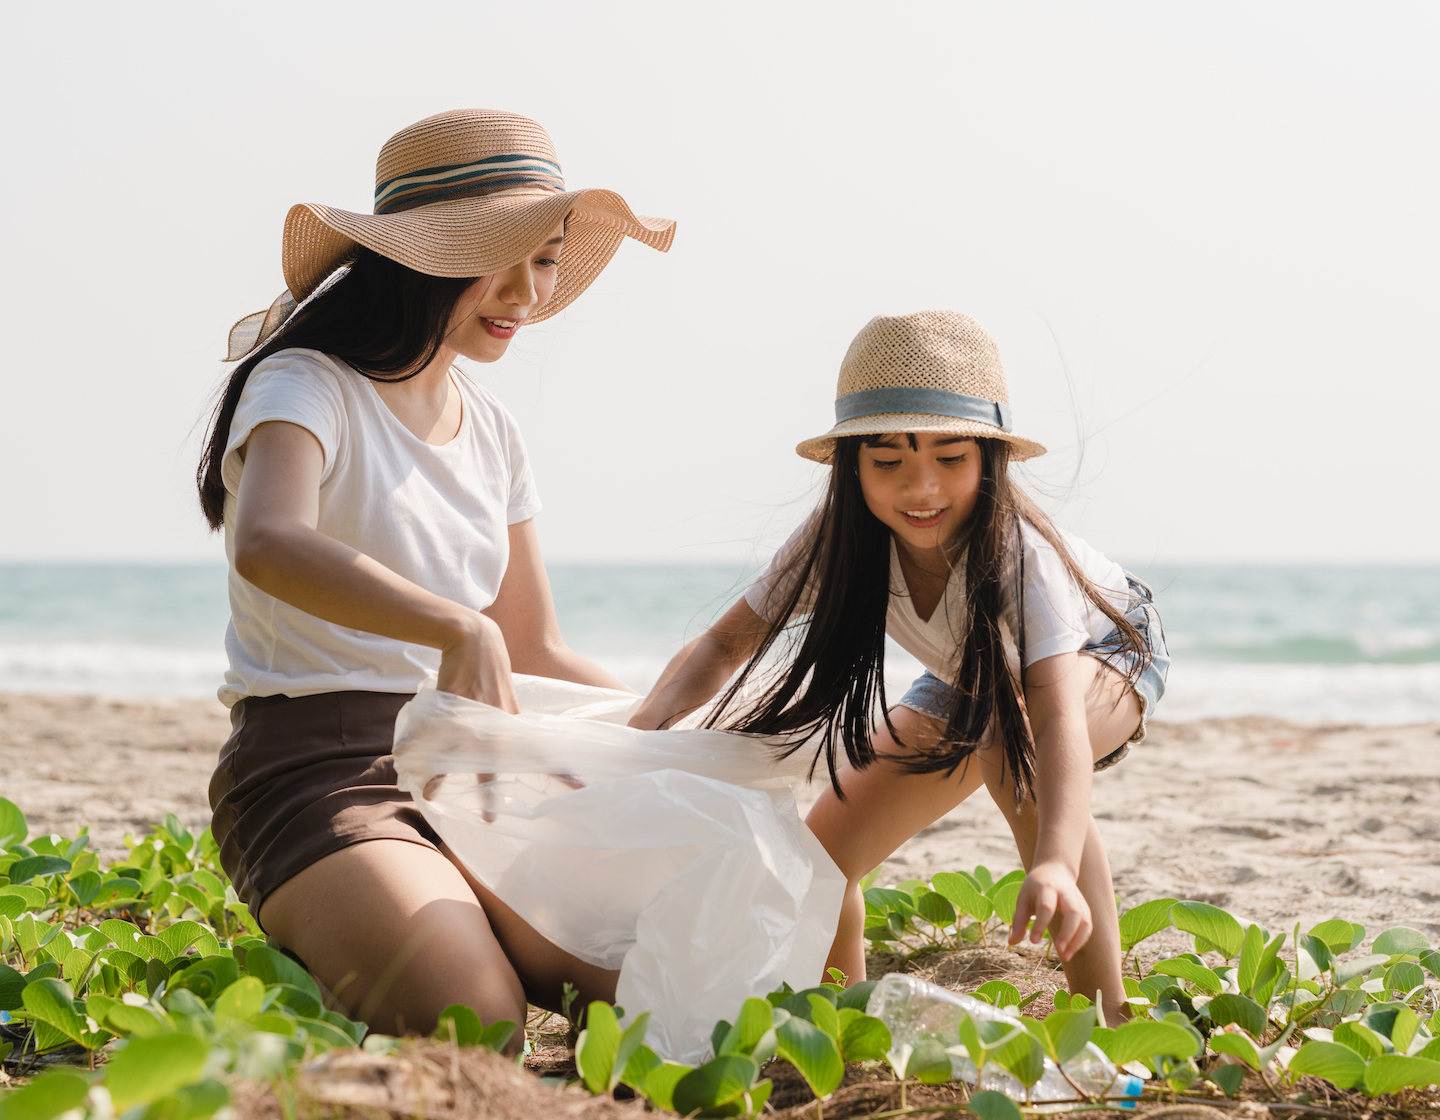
385	321
833	678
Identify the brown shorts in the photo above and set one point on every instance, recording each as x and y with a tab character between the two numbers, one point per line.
302	777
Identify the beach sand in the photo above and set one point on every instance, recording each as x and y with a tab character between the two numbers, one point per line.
1274	821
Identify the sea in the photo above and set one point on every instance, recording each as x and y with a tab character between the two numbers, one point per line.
1311	644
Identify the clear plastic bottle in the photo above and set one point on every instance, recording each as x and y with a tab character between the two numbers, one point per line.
915	1010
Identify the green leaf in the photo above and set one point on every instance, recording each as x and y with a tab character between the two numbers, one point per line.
150	1068
936	909
1144	1038
51	1001
715	1084
660	1082
1004	898
22	871
1243	1011
630	1042
990	1105
1023	1056
1341	936
1145	920
755	1019
1228	1078
1404	1028
1404	976
140	1022
1359	1038
929	1063
34	897
1391	1072
273	967
639	1067
1319	950
1337	1064
813	1053
856	995
1237	1045
1068	1032
1210	923
11	906
457	1023
11	985
863	1038
86	886
963	895
204	1098
179	936
1186	969
1247	971
13	828
1393	942
999	993
824	1015
1348	970
597	1046
50	1094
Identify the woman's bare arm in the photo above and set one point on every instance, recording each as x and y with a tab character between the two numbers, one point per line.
525	612
279	550
1055	697
698	671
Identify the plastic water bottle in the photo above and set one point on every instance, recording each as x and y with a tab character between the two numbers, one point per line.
915	1011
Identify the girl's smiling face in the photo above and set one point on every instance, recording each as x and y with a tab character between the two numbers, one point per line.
923	487
495	307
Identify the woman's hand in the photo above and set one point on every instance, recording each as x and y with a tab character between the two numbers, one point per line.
1050	897
475	664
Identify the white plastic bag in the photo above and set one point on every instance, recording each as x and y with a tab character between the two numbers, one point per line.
677	857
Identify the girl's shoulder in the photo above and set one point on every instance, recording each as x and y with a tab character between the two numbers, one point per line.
1046	569
300	371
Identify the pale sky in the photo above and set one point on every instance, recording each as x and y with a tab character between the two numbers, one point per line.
1221	218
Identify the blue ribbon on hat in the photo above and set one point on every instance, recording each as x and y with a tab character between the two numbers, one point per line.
935	402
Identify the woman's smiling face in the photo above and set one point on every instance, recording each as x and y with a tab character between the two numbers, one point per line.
923	487
496	306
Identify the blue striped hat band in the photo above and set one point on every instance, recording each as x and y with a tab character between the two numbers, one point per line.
934	402
490	176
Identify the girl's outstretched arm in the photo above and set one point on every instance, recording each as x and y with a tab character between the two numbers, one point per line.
700	670
1055	696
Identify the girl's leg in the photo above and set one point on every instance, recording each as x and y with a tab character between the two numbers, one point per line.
395	931
884	806
1113	713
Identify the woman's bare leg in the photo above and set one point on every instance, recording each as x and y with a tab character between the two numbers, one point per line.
884	806
397	933
1113	714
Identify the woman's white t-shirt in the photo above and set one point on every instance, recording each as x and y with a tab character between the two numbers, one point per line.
1059	617
438	516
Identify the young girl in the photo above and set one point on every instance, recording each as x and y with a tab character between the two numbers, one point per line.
1043	659
378	513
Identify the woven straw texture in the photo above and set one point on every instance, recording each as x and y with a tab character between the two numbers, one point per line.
928	350
470	236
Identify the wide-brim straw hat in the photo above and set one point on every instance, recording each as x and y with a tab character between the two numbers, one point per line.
933	371
470	192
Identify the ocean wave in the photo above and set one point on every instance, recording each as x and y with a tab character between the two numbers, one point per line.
1367	693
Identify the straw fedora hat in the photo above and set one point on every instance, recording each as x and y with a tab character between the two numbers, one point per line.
464	193
933	371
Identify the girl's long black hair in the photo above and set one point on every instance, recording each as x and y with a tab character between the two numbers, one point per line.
833	678
385	321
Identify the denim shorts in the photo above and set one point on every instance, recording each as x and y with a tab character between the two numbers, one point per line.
930	696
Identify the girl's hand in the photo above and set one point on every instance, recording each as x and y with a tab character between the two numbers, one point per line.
475	664
1050	896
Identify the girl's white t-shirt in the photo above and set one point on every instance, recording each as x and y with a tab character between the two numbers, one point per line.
1059	617
438	516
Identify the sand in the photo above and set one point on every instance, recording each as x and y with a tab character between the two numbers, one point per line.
1274	821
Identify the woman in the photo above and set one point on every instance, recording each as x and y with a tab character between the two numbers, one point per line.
378	510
